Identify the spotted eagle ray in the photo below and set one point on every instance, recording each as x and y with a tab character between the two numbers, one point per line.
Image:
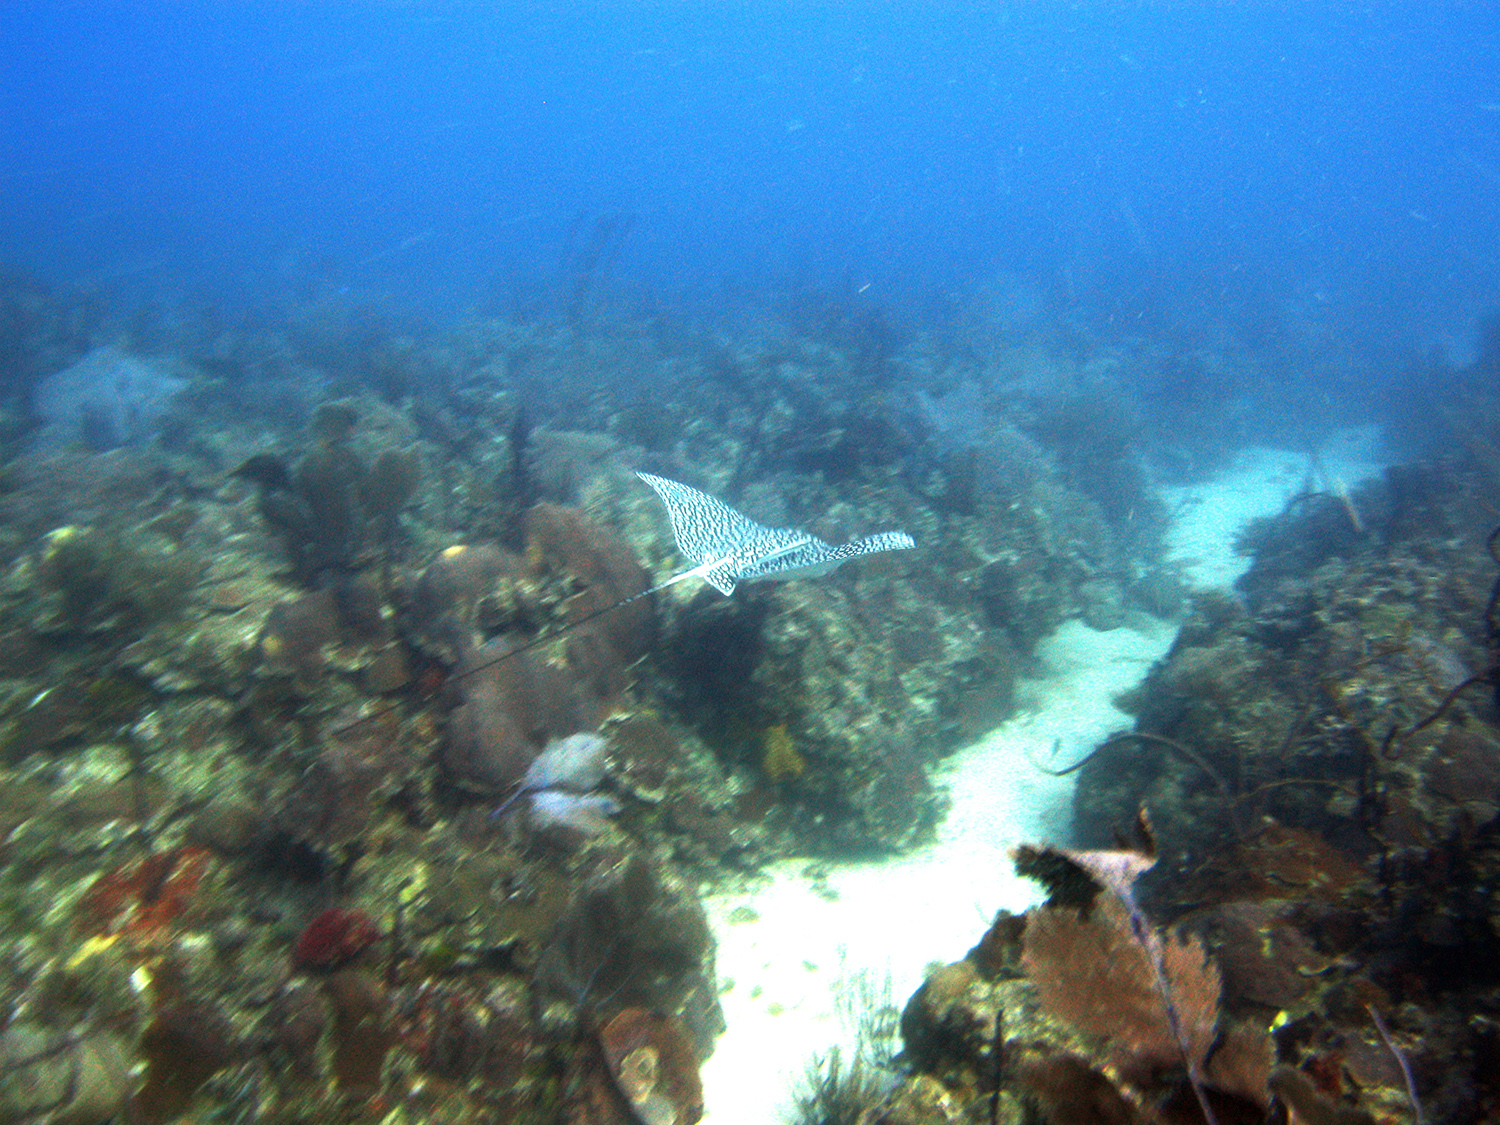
726	548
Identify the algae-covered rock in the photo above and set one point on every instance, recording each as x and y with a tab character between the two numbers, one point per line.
62	1077
115	578
1327	676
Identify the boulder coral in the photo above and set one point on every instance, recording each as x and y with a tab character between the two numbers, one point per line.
513	704
516	693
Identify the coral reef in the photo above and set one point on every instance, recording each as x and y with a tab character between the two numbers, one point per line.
1295	705
1085	1010
1315	937
1319	760
336	785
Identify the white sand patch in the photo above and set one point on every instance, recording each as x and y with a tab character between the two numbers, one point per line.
816	926
781	971
1258	482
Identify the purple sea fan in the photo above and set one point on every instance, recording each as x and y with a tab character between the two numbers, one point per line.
559	783
587	813
574	764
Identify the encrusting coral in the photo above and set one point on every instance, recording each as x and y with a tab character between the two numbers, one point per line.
780	759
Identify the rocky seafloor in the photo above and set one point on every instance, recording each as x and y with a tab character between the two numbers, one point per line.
289	619
1307	930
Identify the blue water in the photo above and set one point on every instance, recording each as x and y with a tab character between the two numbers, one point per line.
1143	162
